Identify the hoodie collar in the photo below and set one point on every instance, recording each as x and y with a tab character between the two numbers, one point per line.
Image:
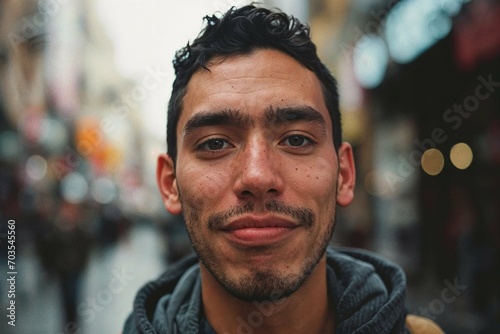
369	293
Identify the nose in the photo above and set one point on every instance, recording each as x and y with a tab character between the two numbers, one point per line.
260	172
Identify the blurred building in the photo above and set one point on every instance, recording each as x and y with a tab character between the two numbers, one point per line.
22	100
65	109
69	135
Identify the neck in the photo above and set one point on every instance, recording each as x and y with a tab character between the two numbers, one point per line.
308	310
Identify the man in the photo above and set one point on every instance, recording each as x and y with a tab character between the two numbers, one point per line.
256	164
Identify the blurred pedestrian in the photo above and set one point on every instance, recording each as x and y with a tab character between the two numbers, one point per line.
66	250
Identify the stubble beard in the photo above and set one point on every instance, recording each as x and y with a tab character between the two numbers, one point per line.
260	284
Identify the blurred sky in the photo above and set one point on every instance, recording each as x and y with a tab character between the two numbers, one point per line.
146	33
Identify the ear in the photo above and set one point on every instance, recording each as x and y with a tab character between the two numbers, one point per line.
167	184
347	175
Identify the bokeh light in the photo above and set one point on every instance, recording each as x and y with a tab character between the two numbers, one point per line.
103	190
432	161
461	155
370	60
36	167
413	26
74	188
54	135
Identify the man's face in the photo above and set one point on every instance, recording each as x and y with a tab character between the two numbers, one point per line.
257	175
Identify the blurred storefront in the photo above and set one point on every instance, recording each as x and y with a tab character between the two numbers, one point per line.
421	87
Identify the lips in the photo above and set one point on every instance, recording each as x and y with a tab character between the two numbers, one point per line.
259	222
259	231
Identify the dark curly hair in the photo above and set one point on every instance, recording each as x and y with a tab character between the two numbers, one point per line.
241	31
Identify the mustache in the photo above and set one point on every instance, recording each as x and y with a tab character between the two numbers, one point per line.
305	216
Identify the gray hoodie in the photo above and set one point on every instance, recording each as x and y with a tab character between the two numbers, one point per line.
369	293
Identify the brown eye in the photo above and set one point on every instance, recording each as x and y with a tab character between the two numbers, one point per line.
296	140
214	144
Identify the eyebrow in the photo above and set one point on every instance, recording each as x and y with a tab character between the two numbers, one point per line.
283	115
228	117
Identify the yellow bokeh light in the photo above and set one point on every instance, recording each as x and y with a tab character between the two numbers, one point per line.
432	161
461	155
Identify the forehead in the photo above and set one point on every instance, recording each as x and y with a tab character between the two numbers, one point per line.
252	83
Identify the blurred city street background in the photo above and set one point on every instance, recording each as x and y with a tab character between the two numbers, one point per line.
84	87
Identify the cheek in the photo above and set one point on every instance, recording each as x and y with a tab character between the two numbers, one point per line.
316	178
200	186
